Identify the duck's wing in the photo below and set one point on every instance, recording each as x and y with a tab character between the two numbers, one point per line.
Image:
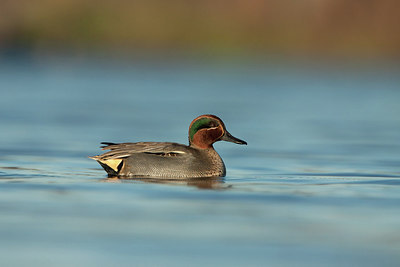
123	150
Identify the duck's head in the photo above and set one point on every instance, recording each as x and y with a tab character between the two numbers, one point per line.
205	130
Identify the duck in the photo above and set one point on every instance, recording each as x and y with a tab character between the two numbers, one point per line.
166	160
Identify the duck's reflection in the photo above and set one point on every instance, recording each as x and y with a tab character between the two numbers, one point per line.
201	183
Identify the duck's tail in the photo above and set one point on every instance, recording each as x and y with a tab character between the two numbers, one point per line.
111	166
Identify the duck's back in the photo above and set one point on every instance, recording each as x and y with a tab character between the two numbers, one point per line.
160	160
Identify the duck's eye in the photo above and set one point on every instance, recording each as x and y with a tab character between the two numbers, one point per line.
212	124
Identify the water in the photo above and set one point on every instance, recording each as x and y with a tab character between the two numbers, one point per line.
318	184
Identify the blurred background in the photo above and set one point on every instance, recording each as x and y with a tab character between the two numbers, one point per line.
313	86
314	28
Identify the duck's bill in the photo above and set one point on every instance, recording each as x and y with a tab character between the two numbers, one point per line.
230	138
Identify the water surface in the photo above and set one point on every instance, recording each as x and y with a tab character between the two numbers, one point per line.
318	183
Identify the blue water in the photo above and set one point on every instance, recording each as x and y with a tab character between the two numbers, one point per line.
317	185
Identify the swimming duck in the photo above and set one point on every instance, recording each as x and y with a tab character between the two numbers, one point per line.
171	160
